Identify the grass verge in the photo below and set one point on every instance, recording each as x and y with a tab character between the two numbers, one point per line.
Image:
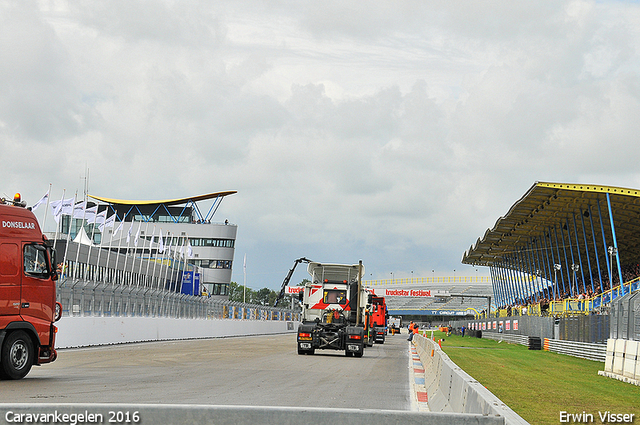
538	385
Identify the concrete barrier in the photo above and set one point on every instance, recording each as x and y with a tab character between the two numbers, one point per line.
450	389
227	415
622	361
92	331
630	358
608	362
618	356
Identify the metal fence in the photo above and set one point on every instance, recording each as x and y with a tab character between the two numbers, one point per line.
87	298
588	329
95	283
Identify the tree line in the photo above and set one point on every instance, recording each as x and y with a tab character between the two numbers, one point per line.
264	296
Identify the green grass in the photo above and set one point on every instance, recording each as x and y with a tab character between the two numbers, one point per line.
539	384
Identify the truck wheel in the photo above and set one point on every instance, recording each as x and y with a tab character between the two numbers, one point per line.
358	353
17	355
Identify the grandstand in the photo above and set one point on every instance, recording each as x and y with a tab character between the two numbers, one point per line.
563	249
464	296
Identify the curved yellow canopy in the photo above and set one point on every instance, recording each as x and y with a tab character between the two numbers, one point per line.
178	201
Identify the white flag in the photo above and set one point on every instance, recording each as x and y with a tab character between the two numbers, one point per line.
78	209
135	241
189	250
63	206
119	227
100	217
109	222
90	214
41	201
160	243
129	233
67	206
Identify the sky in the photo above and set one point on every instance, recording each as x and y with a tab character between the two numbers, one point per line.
395	133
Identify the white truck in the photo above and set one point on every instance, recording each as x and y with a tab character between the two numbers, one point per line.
333	303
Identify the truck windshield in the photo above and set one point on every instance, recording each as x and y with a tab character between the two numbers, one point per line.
335	296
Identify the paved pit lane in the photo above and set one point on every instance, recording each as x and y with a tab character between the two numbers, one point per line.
256	371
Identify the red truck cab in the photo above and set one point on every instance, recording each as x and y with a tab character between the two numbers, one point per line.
28	307
379	316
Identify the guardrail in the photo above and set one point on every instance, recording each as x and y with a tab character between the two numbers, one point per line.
82	298
584	350
510	338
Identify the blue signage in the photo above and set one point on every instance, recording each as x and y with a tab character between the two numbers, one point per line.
187	283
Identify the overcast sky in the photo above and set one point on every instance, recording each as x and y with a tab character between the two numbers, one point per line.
392	132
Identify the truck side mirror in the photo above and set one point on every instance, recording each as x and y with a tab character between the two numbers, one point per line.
54	272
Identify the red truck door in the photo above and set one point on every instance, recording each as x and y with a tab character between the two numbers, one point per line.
38	290
10	272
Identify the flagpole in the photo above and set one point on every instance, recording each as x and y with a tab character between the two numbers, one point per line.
166	272
244	291
126	255
104	226
84	211
155	262
93	232
179	254
150	248
66	249
55	238
113	235
48	195
146	229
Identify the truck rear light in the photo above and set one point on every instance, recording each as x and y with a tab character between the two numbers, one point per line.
355	337
304	336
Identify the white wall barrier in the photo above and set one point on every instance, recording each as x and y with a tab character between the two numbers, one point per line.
91	331
225	415
450	389
622	361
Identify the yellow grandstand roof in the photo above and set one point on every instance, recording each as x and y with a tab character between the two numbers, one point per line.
178	201
547	206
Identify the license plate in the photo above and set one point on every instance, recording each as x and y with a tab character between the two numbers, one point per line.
305	345
353	347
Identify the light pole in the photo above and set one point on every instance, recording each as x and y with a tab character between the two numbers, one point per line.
575	268
612	251
556	268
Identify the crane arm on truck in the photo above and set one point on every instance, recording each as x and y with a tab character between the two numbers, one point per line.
288	278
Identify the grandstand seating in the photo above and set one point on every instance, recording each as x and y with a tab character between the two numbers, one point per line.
441	299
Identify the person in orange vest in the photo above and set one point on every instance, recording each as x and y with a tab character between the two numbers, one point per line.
411	327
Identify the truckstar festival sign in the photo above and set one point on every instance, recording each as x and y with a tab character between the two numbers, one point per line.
413	293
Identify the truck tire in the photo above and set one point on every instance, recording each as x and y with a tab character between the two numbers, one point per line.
17	355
